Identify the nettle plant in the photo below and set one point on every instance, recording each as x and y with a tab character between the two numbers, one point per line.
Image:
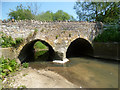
8	66
7	41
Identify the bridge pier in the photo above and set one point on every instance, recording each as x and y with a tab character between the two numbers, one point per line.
60	57
60	54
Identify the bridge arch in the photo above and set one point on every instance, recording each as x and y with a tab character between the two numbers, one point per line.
27	52
79	47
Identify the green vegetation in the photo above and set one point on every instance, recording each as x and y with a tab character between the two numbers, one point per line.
7	41
36	30
108	35
25	65
61	16
56	36
8	66
44	16
21	86
50	16
25	74
22	13
106	12
39	53
40	45
40	49
18	41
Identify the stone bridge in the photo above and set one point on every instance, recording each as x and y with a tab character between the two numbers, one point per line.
64	39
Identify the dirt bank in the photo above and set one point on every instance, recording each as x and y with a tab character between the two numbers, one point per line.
32	78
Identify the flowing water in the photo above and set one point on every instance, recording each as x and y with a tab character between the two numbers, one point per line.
85	72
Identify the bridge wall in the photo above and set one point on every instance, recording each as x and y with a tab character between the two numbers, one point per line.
58	34
24	28
107	50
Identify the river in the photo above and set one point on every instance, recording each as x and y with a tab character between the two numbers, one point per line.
85	72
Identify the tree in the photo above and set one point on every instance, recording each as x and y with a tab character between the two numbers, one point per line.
61	16
97	11
21	13
47	16
31	12
86	11
112	14
50	16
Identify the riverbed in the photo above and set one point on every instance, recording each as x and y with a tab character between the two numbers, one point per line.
85	72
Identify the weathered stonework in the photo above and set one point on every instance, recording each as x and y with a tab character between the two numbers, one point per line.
57	34
107	50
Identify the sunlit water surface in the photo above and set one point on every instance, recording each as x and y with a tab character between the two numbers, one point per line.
85	72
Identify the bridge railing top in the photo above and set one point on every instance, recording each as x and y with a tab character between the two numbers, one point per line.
35	21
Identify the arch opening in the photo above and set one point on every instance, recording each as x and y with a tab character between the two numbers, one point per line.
79	48
27	53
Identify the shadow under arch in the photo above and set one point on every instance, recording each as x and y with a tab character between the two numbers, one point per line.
79	47
27	52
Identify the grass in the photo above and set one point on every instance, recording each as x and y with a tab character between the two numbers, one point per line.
40	49
21	86
40	45
25	74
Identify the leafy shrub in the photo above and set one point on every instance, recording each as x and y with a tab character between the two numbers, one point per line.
21	13
108	36
7	66
111	27
50	16
18	40
7	41
25	65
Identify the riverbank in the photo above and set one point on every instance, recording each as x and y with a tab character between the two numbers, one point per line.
32	78
84	72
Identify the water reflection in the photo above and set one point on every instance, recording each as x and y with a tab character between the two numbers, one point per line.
85	72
